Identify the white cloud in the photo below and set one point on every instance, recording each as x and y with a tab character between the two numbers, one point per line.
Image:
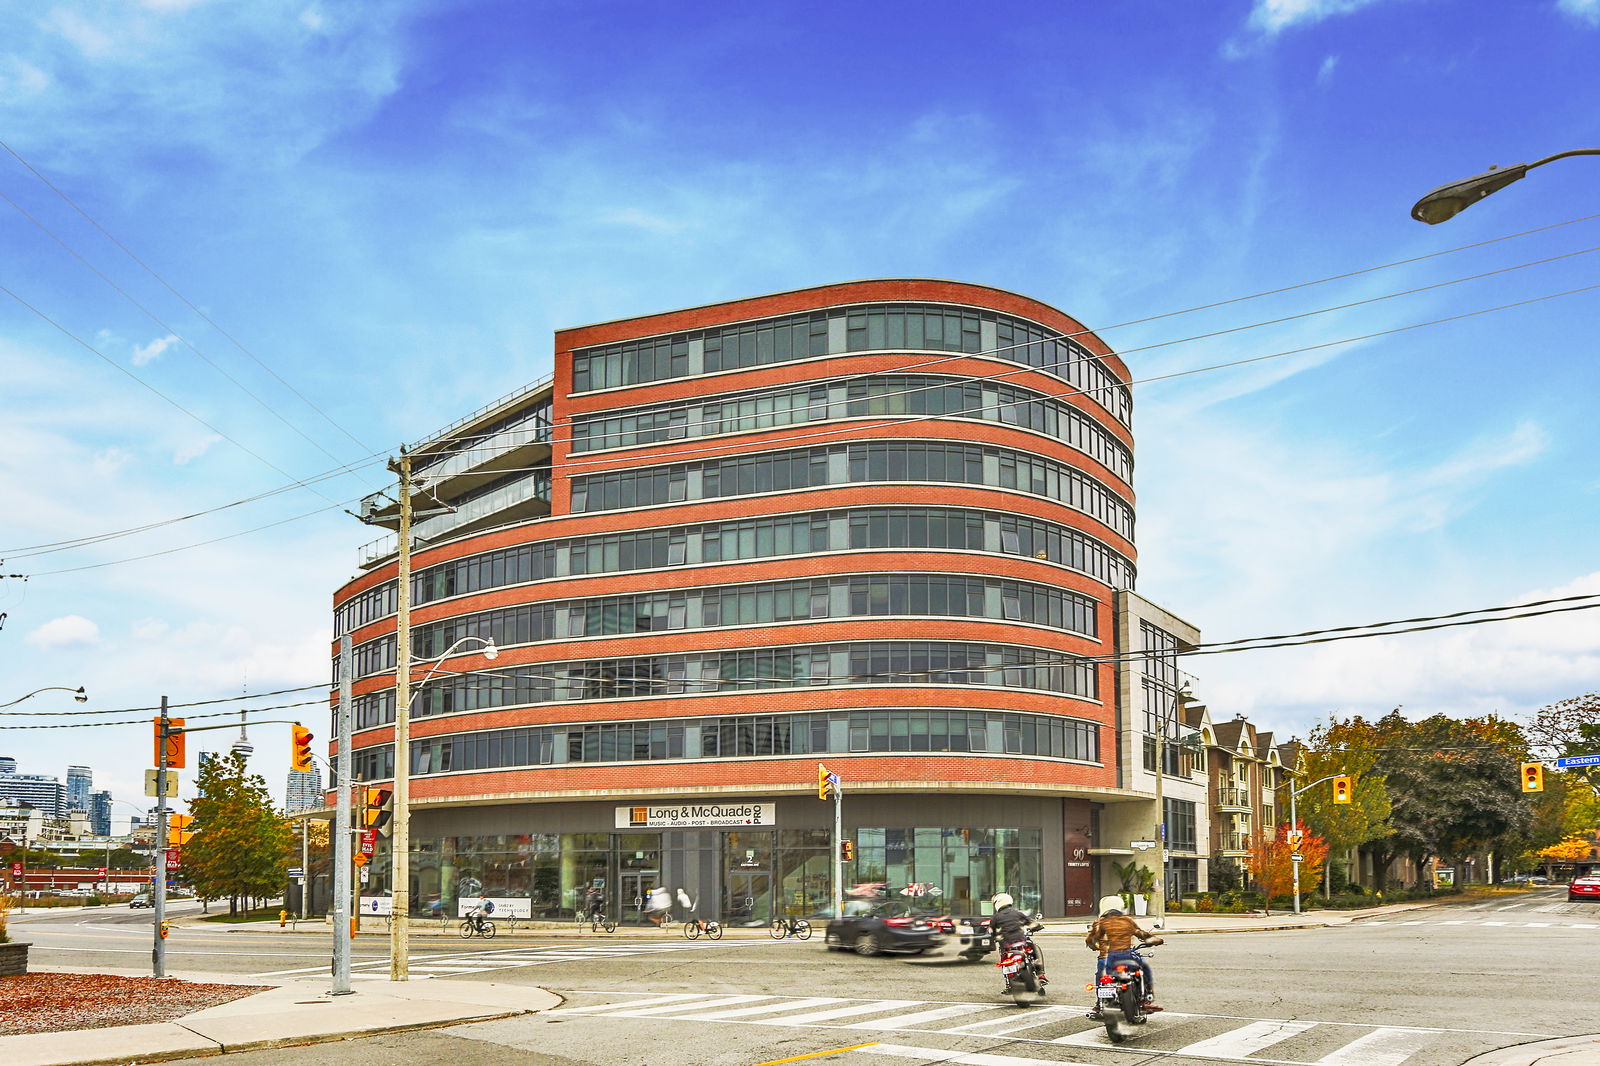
68	631
152	351
1274	16
1583	10
1325	71
194	449
311	19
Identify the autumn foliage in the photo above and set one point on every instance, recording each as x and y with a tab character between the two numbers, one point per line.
1271	863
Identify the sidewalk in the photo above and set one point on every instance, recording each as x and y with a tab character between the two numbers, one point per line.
298	1011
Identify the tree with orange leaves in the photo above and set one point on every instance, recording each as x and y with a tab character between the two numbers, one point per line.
1271	862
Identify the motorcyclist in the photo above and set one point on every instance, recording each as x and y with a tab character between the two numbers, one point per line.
1009	925
1112	936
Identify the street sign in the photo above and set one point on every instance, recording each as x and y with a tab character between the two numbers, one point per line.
359	859
152	776
366	875
102	871
1578	760
1297	858
369	842
295	871
1141	845
16	871
174	859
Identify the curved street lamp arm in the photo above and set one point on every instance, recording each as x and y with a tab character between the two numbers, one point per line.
80	695
1452	198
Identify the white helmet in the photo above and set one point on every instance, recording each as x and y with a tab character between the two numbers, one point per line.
1003	899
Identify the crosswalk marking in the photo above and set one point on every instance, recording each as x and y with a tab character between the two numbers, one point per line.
648	1001
1246	1040
980	1058
1029	1020
634	1010
763	1008
909	1021
876	1006
1382	1047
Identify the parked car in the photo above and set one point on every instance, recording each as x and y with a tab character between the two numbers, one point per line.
886	927
1584	888
141	900
1527	879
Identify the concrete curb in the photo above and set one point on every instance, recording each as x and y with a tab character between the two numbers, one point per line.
286	1015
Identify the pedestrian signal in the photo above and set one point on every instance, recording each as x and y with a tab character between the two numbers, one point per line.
300	748
1343	788
1533	777
376	809
847	850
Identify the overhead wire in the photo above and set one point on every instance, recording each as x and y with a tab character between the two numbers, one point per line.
171	706
181	297
146	721
877	424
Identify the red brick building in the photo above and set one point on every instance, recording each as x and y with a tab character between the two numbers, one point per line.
875	525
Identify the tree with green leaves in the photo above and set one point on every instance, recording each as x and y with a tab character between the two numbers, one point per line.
240	846
1453	785
1340	748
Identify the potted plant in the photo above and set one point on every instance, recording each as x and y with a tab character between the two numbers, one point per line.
1144	884
13	955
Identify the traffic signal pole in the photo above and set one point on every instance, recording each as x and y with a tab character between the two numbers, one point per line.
1294	826
838	846
341	829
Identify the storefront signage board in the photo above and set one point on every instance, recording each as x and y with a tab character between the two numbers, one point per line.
696	815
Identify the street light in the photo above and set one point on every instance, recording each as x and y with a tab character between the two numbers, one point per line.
1447	201
79	694
400	837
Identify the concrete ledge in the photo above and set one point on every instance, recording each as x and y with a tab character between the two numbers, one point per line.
116	1044
1563	1051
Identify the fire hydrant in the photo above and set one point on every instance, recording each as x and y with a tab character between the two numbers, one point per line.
283	919
166	927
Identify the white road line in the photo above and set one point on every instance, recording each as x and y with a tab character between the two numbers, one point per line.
996	1026
764	1008
635	1011
1496	923
1382	1047
1536	925
927	1054
871	1007
1586	927
1246	1040
1457	922
1413	923
911	1021
678	997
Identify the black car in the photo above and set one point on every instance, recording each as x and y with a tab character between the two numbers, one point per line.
885	927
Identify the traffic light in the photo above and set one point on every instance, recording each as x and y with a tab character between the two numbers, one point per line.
847	850
175	744
178	831
1533	777
824	783
377	807
300	748
1343	788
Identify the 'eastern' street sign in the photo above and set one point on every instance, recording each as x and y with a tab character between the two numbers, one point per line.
1141	845
295	871
1578	760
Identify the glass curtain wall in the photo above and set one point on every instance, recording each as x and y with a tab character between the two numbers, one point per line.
946	870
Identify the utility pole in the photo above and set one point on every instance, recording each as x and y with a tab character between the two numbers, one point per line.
341	829
158	953
400	838
838	846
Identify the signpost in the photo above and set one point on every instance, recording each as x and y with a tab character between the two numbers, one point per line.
1573	761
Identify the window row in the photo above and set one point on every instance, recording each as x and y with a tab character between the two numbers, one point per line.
748	736
751	538
866	462
863	328
890	396
921	663
845	596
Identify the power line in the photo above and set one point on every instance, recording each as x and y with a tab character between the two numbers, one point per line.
146	721
184	299
169	329
170	706
916	366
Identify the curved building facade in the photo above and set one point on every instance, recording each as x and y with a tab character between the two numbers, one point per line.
877	526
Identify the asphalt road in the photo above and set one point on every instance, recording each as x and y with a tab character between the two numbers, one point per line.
1430	987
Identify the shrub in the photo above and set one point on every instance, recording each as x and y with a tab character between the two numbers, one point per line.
6	903
1207	904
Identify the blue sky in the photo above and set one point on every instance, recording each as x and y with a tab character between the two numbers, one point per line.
393	205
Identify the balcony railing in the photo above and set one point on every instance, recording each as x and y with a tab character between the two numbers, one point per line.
1233	797
1235	842
535	486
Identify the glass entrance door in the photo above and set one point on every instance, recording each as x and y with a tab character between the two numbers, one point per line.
634	887
748	897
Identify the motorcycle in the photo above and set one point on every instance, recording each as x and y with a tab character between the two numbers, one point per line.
1120	994
1020	963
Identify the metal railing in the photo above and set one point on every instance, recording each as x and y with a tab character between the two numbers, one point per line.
1233	797
485	409
534	486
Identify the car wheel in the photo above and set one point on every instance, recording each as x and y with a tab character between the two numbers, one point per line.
867	944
